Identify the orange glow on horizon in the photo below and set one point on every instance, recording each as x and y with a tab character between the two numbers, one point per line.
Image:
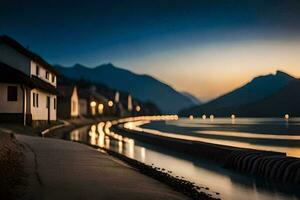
217	68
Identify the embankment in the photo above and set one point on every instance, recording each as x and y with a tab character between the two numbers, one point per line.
266	164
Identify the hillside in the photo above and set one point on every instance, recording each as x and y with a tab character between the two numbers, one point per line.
255	91
286	100
143	87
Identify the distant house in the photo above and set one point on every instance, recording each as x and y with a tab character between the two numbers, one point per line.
27	85
68	102
83	107
93	103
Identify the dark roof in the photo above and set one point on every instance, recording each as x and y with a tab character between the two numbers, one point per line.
65	91
4	39
40	84
88	94
11	75
100	97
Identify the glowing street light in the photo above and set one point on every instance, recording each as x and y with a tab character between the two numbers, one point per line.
211	117
93	104
100	108
191	117
203	116
286	116
138	108
110	103
233	119
93	107
129	103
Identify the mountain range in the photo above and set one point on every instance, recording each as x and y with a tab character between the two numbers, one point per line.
270	95
143	87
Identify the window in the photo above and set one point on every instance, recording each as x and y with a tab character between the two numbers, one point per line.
47	75
35	100
48	102
12	93
54	103
53	78
37	70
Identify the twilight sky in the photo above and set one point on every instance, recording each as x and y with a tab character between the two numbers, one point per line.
204	47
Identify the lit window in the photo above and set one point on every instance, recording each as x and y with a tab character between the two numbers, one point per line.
12	93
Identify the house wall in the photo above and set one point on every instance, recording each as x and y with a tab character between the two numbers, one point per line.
74	104
41	112
10	106
13	58
42	73
83	106
28	99
64	108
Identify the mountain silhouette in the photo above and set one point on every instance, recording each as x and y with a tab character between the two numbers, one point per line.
143	87
194	99
285	101
253	92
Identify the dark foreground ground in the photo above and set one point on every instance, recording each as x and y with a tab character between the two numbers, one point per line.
36	168
42	168
58	169
12	174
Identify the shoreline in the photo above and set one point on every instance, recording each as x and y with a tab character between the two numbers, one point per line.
60	169
179	185
183	186
142	168
266	164
55	129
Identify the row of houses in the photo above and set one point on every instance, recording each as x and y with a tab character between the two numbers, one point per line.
30	94
74	102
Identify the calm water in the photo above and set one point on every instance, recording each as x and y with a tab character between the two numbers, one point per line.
272	134
229	184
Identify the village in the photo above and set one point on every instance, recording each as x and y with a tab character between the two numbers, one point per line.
37	102
33	93
171	100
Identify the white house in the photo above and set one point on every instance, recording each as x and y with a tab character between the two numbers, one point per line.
27	85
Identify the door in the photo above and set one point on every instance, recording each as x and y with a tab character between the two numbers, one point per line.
48	108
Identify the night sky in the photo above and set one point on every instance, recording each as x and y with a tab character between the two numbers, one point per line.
215	45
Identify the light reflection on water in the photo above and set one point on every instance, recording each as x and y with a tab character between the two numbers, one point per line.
272	134
231	185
